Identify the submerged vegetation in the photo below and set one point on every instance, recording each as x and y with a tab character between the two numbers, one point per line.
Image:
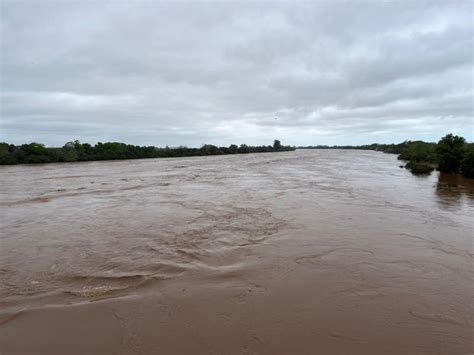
450	155
75	151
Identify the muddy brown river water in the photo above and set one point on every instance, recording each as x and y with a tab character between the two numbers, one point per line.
306	252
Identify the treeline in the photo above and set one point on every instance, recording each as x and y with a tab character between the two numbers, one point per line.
386	148
35	153
374	146
452	154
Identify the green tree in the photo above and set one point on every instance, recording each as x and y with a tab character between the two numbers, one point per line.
467	164
35	149
276	144
244	148
419	152
450	151
233	149
68	153
209	149
6	156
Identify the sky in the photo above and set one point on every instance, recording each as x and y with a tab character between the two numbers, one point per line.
190	73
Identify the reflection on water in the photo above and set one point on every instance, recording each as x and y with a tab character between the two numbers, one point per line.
453	190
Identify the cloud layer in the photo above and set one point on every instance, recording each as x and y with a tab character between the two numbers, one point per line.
189	73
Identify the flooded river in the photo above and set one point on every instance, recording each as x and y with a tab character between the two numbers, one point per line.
312	251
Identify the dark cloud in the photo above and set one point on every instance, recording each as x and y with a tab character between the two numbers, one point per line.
194	72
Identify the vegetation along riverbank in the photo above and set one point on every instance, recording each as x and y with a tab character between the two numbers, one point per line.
75	151
452	154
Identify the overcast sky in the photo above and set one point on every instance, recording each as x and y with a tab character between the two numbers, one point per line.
189	73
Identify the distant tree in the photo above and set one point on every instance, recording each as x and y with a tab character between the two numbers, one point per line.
88	151
450	150
233	149
73	151
34	149
244	148
419	152
467	164
5	154
276	144
209	149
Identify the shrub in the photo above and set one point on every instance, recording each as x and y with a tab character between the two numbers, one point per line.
418	168
419	152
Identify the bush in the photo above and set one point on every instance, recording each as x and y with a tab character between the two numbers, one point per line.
418	168
419	152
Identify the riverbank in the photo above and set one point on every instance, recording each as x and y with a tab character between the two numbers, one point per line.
36	153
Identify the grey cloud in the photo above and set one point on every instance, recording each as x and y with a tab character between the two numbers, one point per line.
189	73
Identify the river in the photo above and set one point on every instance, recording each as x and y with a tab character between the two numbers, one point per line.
312	251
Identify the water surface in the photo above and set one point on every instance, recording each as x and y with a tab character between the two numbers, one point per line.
295	252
